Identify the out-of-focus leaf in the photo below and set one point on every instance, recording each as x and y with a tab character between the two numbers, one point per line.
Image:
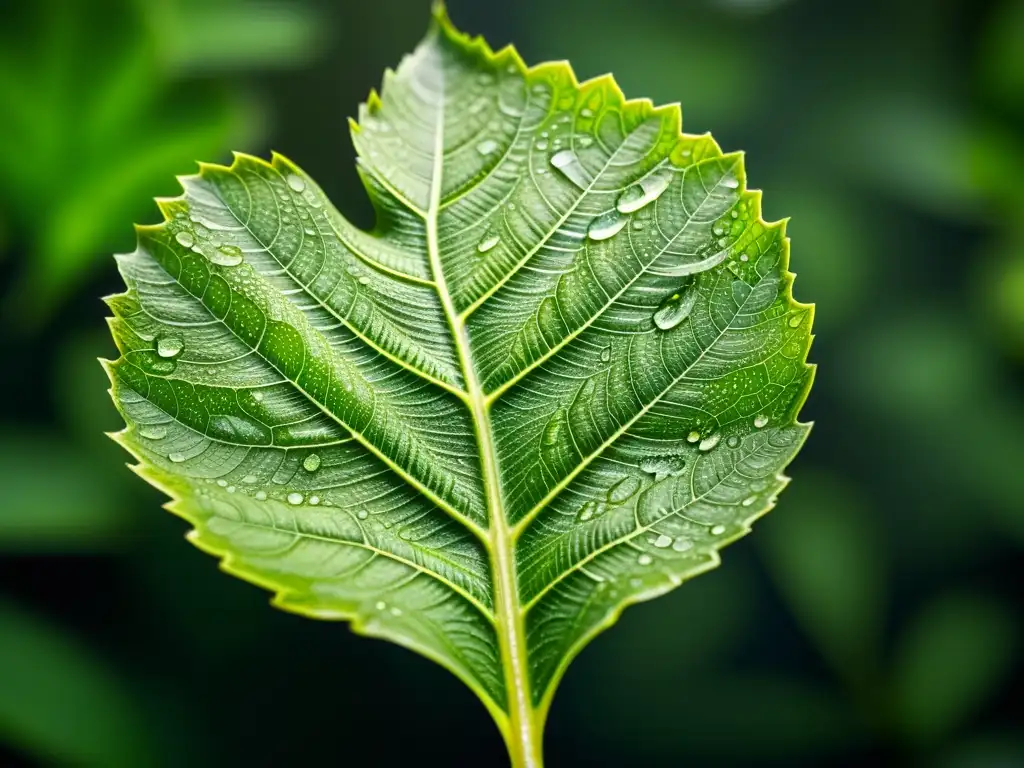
1002	54
56	498
989	750
61	704
1000	289
210	35
952	658
829	563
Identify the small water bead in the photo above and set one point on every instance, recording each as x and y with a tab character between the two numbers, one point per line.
311	463
644	192
295	498
663	541
718	530
257	396
693	437
226	255
250	479
396	611
749	501
744	257
260	496
381	605
487	146
605	226
222	483
681	544
314	500
185	238
709	442
362	514
645	559
542	145
586	112
177	458
676	308
364	280
584	141
153	433
760	420
796	320
230	489
297	183
733	441
488	243
606	354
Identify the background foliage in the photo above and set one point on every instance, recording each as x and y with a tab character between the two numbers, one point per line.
874	616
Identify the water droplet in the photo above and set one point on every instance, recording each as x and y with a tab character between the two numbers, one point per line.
231	489
645	559
662	541
749	501
733	441
185	238
638	225
257	396
744	257
396	611
584	141
381	605
261	496
662	466
567	162
606	354
314	500
489	241
693	437
760	420
709	442
587	511
222	483
718	530
295	498
644	192
169	346
676	308
586	112
605	226
364	280
153	433
623	489
296	182
177	458
542	145
226	255
362	514
311	463
730	183
487	146
681	544
250	479
796	320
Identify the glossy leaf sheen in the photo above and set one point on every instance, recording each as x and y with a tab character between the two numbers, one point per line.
559	374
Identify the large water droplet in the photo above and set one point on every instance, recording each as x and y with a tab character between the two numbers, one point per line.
676	308
153	433
169	346
644	192
693	437
297	183
487	147
709	442
718	530
567	162
606	225
663	541
489	241
796	320
226	255
681	544
177	458
185	238
311	463
295	498
623	489
362	514
760	420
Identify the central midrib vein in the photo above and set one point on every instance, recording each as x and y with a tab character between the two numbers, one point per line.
523	738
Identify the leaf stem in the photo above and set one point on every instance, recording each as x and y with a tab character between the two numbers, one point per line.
524	730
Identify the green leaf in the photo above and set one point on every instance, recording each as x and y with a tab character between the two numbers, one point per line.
60	703
558	375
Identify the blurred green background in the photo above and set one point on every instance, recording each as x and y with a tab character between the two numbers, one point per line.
874	618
